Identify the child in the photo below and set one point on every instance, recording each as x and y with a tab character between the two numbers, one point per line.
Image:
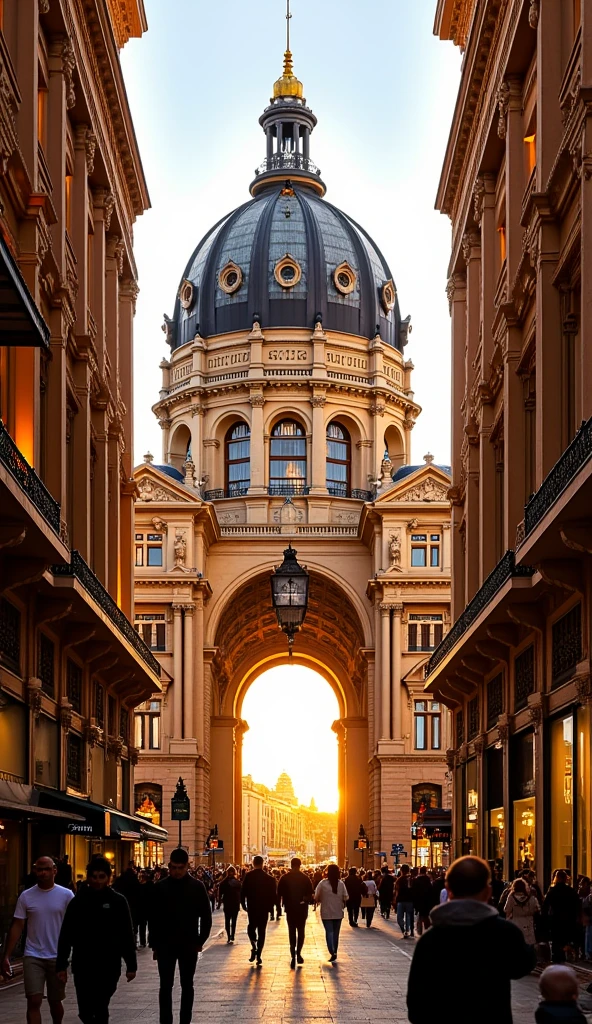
559	989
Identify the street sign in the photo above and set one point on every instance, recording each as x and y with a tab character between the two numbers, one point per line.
180	809
217	845
397	849
360	844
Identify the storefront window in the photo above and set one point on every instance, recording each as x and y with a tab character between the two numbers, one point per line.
497	836
562	793
148	801
584	792
472	809
10	870
524	833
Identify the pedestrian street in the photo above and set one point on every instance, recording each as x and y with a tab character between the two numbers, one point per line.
368	982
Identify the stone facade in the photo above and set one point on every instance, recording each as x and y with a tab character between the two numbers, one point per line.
516	184
71	665
277	826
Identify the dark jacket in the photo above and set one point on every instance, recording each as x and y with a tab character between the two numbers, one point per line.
229	893
97	929
128	884
386	888
559	1013
422	894
470	954
295	891
356	888
180	915
258	892
562	907
403	889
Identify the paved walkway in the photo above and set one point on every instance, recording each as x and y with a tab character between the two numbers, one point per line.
368	983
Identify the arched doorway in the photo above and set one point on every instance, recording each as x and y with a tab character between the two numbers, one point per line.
290	794
247	642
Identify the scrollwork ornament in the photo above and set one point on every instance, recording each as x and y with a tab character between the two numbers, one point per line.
533	14
68	65
43	6
450	759
66	714
478	193
503	103
90	145
34	696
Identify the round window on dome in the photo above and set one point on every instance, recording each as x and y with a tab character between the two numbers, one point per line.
388	296
287	271
344	278
230	278
186	293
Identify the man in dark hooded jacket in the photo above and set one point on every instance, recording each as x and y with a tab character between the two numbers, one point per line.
470	953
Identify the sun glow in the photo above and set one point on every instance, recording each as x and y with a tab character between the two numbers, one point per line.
290	711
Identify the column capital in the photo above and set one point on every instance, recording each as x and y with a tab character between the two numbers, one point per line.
397	609
385	608
177	608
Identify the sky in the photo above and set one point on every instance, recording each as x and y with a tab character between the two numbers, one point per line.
383	89
290	710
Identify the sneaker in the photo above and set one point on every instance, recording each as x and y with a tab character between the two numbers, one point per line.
253	956
300	959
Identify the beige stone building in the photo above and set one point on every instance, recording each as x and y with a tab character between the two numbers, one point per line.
71	664
517	186
277	826
287	408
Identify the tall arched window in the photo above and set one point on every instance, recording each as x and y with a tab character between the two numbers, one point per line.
338	460
287	459
238	460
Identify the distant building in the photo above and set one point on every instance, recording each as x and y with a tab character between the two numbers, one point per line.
278	827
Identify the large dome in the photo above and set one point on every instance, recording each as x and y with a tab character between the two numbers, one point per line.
287	257
287	220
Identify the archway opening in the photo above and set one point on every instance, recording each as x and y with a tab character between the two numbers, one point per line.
290	787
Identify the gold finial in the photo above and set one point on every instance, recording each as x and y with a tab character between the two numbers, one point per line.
288	84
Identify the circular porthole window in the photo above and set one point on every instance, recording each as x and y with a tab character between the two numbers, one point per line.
186	293
388	296
287	271
344	278
230	278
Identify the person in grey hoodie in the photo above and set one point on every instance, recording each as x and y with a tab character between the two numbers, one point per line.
470	954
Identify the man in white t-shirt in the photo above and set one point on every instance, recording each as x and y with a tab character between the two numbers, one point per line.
43	908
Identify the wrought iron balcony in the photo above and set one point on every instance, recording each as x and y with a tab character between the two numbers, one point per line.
505	570
288	488
93	586
219	492
341	491
28	481
564	471
288	162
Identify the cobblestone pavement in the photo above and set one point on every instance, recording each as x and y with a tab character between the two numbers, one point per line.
368	983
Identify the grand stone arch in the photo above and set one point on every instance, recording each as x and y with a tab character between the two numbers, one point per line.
247	643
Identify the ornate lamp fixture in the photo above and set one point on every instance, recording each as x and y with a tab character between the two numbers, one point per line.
289	594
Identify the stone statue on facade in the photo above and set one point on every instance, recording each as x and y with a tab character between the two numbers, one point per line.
180	548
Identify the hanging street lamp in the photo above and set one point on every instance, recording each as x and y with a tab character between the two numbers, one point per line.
289	594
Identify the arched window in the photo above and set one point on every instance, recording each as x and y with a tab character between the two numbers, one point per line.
338	461
287	459
238	460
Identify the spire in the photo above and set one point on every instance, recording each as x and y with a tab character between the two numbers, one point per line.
288	124
288	84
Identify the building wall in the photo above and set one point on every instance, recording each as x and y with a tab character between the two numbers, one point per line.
217	554
71	186
515	665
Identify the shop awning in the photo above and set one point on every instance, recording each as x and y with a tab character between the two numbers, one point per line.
21	322
99	821
17	798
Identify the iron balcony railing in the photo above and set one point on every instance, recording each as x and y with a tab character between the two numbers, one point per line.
28	481
565	469
288	488
219	492
341	491
288	162
505	570
79	569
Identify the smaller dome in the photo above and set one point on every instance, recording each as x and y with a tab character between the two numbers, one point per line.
171	471
404	471
288	85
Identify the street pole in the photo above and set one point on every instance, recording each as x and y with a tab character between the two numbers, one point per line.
180	823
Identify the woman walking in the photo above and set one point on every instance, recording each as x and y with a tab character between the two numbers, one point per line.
332	896
369	900
229	893
561	908
521	907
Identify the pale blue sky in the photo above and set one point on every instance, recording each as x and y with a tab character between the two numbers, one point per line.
383	88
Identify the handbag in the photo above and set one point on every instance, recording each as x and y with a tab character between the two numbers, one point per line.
368	901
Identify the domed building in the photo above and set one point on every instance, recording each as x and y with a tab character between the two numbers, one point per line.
286	411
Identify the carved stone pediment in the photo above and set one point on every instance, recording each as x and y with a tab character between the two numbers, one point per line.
428	490
154	487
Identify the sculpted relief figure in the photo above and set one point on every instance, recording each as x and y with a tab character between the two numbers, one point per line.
180	547
395	550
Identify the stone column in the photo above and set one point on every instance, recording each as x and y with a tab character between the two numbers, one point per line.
355	738
396	660
511	127
319	456
258	474
472	254
188	695
342	853
514	435
222	778
457	295
177	671
446	548
239	731
385	656
198	707
377	675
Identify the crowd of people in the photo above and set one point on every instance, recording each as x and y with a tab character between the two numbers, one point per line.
468	923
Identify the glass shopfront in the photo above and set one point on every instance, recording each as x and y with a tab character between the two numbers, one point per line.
584	794
11	860
562	811
496	846
472	808
523	800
